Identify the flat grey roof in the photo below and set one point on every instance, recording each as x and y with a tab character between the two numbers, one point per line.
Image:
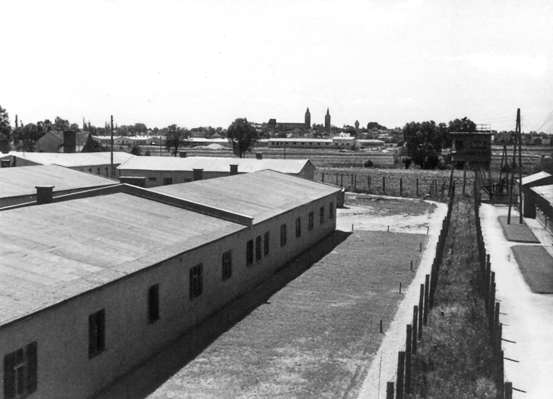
213	164
262	194
546	192
72	159
50	253
534	177
21	180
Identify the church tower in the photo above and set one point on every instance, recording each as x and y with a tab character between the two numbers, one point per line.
327	121
307	119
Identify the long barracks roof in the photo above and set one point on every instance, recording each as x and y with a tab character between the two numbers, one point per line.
52	252
262	194
212	164
73	159
18	181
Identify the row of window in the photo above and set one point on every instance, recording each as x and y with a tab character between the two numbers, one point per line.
20	367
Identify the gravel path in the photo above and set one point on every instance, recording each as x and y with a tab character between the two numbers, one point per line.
527	317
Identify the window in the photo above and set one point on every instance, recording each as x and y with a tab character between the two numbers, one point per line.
153	303
226	265
96	333
167	180
249	252
89	170
151	178
98	171
322	215
282	235
196	281
20	372
258	248
266	244
298	227
107	172
310	221
331	210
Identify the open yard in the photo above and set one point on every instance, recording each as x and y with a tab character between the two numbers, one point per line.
316	336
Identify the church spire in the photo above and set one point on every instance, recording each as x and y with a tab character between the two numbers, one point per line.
307	119
327	121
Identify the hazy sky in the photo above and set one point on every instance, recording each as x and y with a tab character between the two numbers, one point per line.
208	62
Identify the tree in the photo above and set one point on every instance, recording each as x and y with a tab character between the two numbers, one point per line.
61	124
242	135
423	141
174	137
136	150
462	125
5	131
26	136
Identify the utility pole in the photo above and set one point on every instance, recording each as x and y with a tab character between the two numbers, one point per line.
111	148
519	132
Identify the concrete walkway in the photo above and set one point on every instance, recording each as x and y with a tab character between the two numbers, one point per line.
384	365
527	317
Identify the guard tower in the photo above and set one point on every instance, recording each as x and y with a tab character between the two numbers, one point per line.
472	148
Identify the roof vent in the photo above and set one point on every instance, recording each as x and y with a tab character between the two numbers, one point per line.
44	194
197	174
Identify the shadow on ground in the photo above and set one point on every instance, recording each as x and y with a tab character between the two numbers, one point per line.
146	378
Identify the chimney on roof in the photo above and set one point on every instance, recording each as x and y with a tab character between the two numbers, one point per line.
69	141
197	174
258	155
5	163
182	154
233	169
44	194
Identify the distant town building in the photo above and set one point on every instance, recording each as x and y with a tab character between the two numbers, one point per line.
93	285
67	141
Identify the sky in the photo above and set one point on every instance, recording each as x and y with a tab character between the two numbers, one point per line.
200	63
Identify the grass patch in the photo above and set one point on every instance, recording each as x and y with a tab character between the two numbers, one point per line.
516	231
315	337
536	266
455	358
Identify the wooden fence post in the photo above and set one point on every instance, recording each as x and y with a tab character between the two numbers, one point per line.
323	177
384	184
390	390
399	376
401	187
415	328
369	190
417	186
408	350
508	390
426	297
421	310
